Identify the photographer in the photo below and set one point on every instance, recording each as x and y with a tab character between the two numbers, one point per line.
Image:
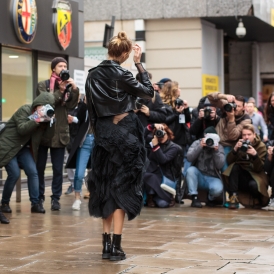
207	117
161	157
246	180
150	111
19	142
233	119
66	96
269	168
207	158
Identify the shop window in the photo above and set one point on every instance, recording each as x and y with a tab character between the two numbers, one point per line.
17	89
44	70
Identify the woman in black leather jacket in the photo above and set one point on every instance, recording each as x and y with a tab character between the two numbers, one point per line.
119	155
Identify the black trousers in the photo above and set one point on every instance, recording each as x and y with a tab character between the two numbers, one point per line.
241	179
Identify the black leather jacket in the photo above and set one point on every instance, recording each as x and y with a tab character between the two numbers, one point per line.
112	90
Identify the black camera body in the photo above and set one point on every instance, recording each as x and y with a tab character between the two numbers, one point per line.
245	144
64	75
229	107
139	103
159	133
207	112
179	102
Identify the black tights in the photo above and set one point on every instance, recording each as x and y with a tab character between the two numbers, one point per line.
241	179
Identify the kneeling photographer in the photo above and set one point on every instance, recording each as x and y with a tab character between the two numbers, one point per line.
161	159
66	94
245	177
207	157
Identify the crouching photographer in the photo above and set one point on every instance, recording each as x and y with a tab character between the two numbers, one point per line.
207	157
246	180
164	151
19	142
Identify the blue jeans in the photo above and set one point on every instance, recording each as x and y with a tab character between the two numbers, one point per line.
227	150
57	159
83	155
23	160
196	179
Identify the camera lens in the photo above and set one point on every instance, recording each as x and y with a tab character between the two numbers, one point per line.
209	142
228	107
64	75
159	133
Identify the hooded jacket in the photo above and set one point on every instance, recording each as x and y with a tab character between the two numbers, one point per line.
19	130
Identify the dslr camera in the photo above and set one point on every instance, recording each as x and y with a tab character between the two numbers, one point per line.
229	107
212	140
64	75
139	103
207	112
179	102
159	133
245	144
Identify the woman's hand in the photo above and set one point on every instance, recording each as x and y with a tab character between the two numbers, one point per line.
137	53
155	141
144	109
159	126
180	109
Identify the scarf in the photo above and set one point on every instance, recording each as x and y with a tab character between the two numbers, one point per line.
53	79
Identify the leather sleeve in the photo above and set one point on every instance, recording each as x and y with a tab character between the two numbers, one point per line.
91	110
132	86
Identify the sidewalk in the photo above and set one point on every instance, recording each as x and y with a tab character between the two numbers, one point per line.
174	241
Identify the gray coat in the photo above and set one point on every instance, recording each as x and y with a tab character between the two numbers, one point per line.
208	160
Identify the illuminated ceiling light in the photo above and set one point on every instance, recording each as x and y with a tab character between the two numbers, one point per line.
13	56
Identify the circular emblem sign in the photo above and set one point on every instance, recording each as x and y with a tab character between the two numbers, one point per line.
25	19
62	22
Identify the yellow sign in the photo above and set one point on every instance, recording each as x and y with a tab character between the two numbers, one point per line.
210	84
272	17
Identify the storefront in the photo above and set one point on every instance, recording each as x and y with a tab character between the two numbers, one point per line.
32	33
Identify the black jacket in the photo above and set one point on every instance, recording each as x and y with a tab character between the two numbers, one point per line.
83	122
157	111
112	90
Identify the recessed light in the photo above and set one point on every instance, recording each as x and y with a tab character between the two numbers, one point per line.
13	56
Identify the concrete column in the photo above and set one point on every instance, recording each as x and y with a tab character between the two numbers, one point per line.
256	80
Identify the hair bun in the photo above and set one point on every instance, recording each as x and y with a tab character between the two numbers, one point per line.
122	35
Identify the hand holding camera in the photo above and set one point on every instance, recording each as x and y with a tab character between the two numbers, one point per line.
245	146
144	109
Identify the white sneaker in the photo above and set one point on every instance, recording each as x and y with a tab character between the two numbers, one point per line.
271	205
76	205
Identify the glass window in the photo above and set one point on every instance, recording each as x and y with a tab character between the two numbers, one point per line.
17	89
44	70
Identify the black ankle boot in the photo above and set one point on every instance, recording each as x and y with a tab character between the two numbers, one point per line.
116	251
106	246
3	219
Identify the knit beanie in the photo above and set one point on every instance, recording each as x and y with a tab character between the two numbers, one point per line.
210	130
56	61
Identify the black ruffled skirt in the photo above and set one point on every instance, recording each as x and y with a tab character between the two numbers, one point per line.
118	164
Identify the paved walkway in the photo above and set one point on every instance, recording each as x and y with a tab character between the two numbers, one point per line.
175	241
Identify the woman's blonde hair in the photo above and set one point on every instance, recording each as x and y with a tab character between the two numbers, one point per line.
119	44
169	93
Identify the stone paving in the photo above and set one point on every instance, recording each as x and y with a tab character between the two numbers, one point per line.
176	240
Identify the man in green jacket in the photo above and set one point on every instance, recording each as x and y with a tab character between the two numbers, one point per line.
63	102
19	143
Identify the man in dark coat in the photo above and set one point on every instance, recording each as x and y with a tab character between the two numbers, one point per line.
19	143
245	177
58	87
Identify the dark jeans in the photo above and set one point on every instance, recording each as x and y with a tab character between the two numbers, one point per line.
57	160
241	179
23	160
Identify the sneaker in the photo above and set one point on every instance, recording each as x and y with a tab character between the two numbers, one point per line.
234	202
76	205
6	208
196	203
271	204
55	205
3	219
38	208
69	190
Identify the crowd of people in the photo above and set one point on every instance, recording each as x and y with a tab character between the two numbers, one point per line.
142	143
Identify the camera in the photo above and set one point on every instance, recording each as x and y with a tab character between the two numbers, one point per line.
64	75
48	110
229	107
139	103
159	133
212	140
245	144
179	102
207	112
